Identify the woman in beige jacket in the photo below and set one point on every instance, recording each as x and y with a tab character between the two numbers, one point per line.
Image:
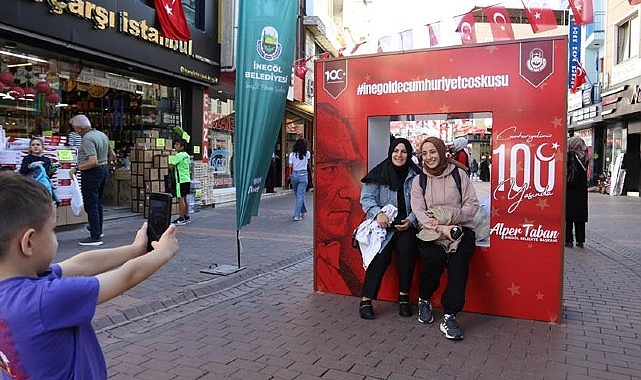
441	189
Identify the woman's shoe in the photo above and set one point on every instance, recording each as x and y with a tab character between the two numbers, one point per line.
580	245
569	245
366	310
404	306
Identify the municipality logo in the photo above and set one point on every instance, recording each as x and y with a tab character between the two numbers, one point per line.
537	61
268	46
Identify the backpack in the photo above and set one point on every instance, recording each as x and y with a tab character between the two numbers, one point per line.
422	180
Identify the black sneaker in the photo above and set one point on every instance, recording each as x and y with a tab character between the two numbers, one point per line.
450	328
88	229
366	310
178	221
404	307
90	241
425	314
187	220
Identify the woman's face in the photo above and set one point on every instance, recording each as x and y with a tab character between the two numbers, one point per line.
399	155
430	155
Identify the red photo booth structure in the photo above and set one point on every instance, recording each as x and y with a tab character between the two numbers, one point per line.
523	85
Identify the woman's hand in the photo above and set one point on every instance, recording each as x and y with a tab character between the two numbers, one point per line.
406	224
383	220
432	222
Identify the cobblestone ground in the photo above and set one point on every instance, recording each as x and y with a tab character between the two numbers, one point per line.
266	322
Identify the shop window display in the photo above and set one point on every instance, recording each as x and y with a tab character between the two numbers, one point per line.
40	92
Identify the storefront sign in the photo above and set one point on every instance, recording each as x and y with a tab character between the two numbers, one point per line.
225	123
115	83
103	18
520	273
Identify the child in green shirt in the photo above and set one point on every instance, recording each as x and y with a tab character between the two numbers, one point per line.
181	163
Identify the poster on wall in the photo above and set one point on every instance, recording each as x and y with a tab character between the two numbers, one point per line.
521	87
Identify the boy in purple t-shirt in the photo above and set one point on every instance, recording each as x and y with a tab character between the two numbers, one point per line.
46	309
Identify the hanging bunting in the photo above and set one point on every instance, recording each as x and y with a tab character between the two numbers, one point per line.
434	31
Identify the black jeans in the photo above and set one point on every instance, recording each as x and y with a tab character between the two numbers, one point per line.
579	229
435	260
93	185
405	244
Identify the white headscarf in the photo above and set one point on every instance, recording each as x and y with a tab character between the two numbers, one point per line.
459	143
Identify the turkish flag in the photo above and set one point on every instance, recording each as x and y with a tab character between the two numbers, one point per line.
466	29
583	11
172	19
634	2
499	20
579	78
540	15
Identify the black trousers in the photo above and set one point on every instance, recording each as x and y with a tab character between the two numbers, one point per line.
579	229
405	244
435	260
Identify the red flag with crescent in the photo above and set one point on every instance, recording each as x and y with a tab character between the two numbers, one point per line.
172	19
499	20
579	78
466	29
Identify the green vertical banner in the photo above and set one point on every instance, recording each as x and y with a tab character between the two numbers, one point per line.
265	54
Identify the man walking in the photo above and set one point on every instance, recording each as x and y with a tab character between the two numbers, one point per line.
92	163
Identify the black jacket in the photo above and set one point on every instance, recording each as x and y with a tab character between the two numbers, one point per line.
576	193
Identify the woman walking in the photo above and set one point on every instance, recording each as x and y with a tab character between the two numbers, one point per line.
298	160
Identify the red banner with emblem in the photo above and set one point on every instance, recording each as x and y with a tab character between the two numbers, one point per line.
522	84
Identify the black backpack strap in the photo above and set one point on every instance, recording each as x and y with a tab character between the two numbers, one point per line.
457	179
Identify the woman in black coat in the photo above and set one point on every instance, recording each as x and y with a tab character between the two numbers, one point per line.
576	193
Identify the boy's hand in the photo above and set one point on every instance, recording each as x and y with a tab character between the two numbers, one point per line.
140	241
168	241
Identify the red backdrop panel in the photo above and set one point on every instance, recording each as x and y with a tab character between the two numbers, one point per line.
523	84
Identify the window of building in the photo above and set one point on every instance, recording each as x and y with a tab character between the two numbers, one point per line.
628	35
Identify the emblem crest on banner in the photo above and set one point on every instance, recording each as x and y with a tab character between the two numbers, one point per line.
268	47
335	77
537	61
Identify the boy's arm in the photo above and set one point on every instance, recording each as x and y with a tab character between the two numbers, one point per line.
132	272
91	263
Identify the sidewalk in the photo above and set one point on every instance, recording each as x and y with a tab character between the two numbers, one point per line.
265	322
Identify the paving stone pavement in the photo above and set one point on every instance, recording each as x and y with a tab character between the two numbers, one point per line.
266	322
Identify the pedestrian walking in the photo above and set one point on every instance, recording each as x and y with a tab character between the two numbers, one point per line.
298	160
